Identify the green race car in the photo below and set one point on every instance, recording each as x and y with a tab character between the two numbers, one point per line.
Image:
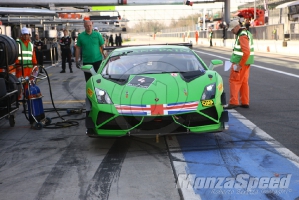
154	90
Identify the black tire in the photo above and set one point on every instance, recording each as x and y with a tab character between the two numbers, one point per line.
11	120
3	91
11	86
14	80
12	49
90	133
38	126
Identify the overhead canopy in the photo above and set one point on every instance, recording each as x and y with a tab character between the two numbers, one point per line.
236	14
26	11
284	5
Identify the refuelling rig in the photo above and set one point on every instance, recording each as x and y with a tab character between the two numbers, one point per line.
33	99
12	88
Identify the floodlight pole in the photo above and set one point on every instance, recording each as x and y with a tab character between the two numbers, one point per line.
227	11
254	10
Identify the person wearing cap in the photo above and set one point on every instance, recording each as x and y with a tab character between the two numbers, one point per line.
26	58
38	45
96	29
241	59
66	53
92	44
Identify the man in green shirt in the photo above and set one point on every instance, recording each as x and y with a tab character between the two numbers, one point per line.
91	43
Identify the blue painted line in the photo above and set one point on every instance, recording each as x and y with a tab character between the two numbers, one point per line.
234	152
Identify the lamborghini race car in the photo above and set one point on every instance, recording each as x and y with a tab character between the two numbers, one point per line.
154	90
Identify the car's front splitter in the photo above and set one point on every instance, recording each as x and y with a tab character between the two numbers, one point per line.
135	132
106	121
136	125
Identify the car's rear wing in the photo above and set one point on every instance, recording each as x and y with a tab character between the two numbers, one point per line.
109	48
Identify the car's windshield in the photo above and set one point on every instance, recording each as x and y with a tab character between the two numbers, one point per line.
152	63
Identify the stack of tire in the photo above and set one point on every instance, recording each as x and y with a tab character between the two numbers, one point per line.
12	50
9	51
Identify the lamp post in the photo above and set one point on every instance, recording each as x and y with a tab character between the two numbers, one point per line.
254	10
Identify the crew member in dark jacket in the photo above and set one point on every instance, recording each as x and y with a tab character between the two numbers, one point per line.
111	42
120	40
66	53
116	40
38	46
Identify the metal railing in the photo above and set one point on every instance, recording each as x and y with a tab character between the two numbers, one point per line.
267	32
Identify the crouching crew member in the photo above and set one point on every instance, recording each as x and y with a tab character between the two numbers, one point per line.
66	53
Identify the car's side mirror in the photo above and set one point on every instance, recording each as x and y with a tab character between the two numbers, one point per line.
215	63
88	69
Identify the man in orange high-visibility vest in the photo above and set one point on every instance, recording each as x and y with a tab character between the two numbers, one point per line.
26	57
241	59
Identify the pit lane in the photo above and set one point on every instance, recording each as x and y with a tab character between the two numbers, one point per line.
65	164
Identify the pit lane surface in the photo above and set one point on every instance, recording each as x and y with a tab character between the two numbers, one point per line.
65	164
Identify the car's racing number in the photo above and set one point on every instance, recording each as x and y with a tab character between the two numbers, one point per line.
141	81
207	103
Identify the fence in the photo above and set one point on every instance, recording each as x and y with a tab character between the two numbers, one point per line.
267	32
294	31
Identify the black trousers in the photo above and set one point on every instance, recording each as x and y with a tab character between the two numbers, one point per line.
95	65
40	57
66	55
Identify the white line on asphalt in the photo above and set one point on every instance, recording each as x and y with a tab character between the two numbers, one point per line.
181	167
257	66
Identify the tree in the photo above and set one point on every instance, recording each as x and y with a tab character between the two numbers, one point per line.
155	25
147	26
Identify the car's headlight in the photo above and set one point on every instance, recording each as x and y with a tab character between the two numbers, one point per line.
209	92
102	96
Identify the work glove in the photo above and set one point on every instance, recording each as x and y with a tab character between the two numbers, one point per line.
78	64
236	67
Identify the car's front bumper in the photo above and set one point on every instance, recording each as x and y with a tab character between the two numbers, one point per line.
104	121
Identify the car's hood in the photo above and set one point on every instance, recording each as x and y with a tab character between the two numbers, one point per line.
148	89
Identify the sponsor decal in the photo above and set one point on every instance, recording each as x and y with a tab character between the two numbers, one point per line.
220	87
154	50
174	74
157	109
141	81
89	92
207	103
185	92
127	94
